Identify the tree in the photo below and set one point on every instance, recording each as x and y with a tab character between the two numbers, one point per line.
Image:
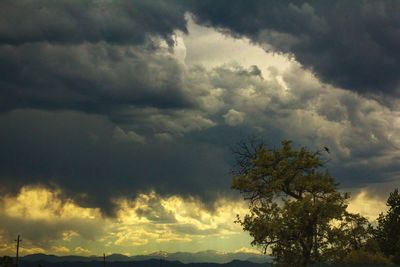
387	232
293	202
353	233
355	244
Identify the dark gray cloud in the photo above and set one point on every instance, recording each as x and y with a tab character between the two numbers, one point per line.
72	22
95	78
63	61
95	104
101	57
351	44
77	152
187	151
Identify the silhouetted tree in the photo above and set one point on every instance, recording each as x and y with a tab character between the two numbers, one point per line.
294	203
387	232
354	231
354	242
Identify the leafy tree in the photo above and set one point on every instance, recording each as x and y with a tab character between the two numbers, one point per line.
364	257
294	203
387	232
354	243
352	233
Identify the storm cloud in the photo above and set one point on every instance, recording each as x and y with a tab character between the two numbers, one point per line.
94	78
74	22
186	151
97	103
350	44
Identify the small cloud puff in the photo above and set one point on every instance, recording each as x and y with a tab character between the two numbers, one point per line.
234	118
130	136
82	251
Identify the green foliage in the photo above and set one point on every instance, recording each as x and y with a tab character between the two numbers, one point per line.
363	257
387	232
351	233
357	245
294	204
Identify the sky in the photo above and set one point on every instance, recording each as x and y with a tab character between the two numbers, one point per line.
117	118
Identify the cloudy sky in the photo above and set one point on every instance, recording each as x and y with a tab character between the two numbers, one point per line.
117	117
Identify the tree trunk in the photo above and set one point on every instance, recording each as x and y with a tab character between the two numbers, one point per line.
307	247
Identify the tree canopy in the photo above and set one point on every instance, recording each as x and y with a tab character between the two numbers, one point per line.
296	212
388	230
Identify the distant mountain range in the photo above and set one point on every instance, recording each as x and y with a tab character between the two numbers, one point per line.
146	263
154	260
209	256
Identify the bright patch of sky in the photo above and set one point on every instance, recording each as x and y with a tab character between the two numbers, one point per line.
210	48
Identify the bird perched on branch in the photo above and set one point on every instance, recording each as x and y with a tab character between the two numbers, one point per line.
327	149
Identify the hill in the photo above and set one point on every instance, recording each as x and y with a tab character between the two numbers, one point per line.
209	256
146	263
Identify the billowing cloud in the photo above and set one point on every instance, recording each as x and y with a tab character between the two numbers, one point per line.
79	153
186	150
141	225
43	217
126	112
71	22
353	45
95	78
233	117
49	223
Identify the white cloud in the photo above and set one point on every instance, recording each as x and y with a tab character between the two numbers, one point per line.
234	118
180	49
248	250
211	48
82	251
60	249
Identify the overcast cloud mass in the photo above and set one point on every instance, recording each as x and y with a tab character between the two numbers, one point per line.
117	117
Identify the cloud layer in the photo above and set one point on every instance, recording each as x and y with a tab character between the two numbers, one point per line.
353	45
73	22
104	102
186	150
51	224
